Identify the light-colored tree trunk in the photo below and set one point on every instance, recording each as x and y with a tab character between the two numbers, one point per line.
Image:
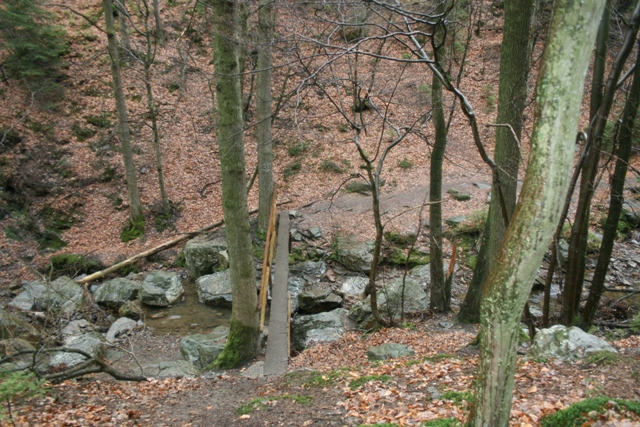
123	23
557	109
514	71
243	342
135	206
266	21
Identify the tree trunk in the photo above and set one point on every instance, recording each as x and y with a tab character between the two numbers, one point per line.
514	71
616	201
243	342
135	205
557	110
156	15
266	20
440	299
123	22
579	232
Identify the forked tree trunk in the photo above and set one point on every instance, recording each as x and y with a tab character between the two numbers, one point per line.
514	71
266	21
243	342
557	110
135	206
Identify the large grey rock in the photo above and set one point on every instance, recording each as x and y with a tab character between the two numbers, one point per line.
30	297
114	293
201	350
568	344
132	310
15	345
91	343
177	369
161	288
202	254
390	300
389	351
296	286
120	327
254	371
74	329
311	268
322	327
631	212
353	254
318	300
353	288
63	295
13	326
215	289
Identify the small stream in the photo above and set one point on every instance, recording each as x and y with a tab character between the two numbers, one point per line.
187	316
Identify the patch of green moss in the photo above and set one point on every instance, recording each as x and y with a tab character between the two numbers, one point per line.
82	133
458	397
292	169
442	422
577	414
331	167
324	379
416	257
241	347
72	265
132	229
602	358
358	382
296	255
99	121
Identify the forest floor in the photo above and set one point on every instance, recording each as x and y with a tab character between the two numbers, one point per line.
328	384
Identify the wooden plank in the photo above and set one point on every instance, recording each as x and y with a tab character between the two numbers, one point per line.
278	347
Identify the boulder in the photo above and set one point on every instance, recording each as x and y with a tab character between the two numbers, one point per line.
296	286
13	326
63	295
201	254
161	288
353	288
318	300
312	268
177	369
631	212
30	297
91	343
322	327
389	351
353	254
215	289
567	344
74	329
132	310
201	350
120	327
114	293
389	301
15	345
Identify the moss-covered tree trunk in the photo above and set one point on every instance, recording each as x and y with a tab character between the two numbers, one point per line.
557	110
243	342
266	22
514	71
135	205
625	142
440	296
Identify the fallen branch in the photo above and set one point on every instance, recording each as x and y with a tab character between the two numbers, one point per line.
102	273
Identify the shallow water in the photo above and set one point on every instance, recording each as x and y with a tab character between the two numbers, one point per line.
187	316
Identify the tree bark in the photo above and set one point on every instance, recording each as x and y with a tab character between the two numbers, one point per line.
579	232
135	205
514	71
266	21
243	342
156	15
440	297
562	73
625	143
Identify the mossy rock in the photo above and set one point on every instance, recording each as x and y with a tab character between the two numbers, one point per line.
72	265
417	257
399	239
581	412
